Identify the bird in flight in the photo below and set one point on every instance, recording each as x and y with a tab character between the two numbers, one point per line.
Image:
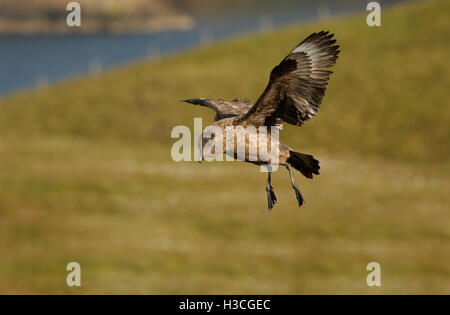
293	95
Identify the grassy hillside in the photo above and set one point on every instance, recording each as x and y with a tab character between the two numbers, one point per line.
86	174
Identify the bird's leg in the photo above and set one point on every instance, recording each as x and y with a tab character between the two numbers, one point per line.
271	198
298	194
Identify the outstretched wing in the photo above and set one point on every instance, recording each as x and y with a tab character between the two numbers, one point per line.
222	108
297	85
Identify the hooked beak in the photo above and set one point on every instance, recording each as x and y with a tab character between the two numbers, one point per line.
195	101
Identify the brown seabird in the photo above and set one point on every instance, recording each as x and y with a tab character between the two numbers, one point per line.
293	95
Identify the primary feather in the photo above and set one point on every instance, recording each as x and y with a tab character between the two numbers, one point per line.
297	85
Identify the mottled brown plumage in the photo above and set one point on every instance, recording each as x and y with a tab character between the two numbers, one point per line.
293	95
222	108
297	85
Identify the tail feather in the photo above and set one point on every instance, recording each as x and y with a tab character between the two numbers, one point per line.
306	164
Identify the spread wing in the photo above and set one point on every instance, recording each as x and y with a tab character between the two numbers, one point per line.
297	85
222	108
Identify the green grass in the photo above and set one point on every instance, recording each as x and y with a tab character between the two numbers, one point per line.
86	174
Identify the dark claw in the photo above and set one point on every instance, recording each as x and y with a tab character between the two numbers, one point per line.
271	198
298	194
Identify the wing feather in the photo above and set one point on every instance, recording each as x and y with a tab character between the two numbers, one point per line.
297	85
223	108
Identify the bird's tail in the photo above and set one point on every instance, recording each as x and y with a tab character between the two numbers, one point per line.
304	163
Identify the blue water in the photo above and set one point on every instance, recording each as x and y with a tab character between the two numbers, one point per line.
30	61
